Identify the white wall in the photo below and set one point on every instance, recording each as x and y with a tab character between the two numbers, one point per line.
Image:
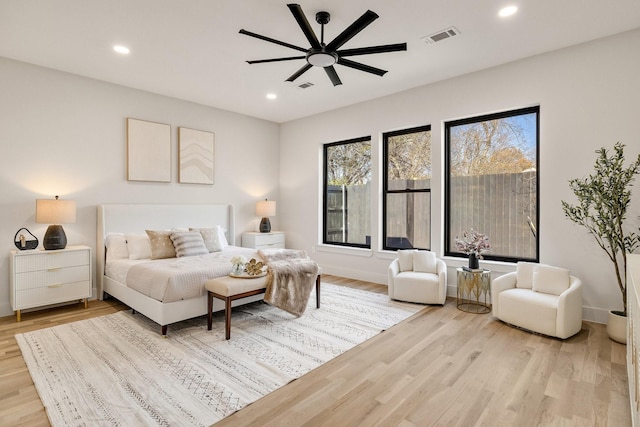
62	134
588	97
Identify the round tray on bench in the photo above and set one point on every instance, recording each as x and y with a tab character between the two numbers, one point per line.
247	276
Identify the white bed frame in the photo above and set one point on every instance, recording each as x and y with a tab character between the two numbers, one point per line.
136	218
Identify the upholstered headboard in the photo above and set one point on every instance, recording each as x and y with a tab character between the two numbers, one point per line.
136	218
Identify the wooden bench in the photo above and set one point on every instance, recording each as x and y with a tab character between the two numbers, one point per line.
230	289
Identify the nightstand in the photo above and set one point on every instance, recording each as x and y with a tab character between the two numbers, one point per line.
274	239
38	277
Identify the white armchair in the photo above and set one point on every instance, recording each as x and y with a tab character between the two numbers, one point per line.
540	298
418	276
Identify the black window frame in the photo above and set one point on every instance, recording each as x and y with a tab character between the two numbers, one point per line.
385	184
447	184
325	147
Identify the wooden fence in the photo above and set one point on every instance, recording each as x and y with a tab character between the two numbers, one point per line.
497	205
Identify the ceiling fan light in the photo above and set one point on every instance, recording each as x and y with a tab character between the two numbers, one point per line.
321	59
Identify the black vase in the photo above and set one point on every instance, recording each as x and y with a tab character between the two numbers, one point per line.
473	261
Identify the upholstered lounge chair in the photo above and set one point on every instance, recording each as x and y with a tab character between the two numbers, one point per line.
540	298
418	276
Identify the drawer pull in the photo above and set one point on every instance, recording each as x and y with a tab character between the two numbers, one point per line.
55	285
54	269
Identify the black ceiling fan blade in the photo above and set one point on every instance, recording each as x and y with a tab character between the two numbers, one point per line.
296	10
300	72
333	76
361	67
288	58
373	49
269	39
359	24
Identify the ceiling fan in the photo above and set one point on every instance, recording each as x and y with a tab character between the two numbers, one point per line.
327	55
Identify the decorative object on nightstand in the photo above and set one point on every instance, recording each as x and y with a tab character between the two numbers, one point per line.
274	239
265	210
39	278
55	212
23	242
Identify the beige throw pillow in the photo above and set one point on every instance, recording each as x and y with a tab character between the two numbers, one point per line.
524	274
161	244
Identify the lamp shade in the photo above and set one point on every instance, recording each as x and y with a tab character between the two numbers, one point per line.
55	211
266	208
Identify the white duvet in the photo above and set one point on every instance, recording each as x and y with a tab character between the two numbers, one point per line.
175	279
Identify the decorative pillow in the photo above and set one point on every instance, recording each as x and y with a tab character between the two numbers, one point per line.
116	244
211	238
405	258
425	262
161	244
188	243
524	274
550	280
138	246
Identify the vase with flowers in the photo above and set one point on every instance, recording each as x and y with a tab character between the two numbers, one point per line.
473	244
238	264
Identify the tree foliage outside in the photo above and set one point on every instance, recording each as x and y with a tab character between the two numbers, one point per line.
491	147
349	163
409	157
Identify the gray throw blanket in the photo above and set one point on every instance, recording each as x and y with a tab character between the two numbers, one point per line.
290	279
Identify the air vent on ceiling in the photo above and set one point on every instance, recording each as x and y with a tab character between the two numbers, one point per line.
305	85
441	35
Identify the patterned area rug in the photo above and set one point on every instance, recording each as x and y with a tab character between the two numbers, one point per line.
118	370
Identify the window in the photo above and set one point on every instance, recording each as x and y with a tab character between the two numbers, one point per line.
491	182
407	189
347	189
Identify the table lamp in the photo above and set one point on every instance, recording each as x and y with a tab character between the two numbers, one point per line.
55	212
265	210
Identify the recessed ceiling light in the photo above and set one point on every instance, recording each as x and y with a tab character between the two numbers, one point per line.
271	96
508	11
121	49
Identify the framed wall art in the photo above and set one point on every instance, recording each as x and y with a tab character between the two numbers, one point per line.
196	151
148	151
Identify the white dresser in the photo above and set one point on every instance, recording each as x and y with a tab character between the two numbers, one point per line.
38	277
273	239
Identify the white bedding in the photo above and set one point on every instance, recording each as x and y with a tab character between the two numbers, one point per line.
174	279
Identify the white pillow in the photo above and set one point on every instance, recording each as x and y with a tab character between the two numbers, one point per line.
550	280
405	258
161	244
211	238
188	243
221	237
524	274
138	246
116	245
425	262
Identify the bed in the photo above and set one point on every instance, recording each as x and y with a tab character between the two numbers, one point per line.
168	307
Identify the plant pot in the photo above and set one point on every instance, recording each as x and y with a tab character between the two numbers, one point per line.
617	327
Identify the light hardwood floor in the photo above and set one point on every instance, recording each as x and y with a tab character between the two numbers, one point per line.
441	367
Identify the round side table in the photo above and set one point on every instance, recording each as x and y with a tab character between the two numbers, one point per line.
474	290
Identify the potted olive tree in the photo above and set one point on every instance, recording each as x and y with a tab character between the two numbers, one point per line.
603	199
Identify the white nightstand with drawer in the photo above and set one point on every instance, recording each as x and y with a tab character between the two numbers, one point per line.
39	277
273	239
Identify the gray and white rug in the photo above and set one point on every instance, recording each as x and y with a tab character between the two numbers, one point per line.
118	370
